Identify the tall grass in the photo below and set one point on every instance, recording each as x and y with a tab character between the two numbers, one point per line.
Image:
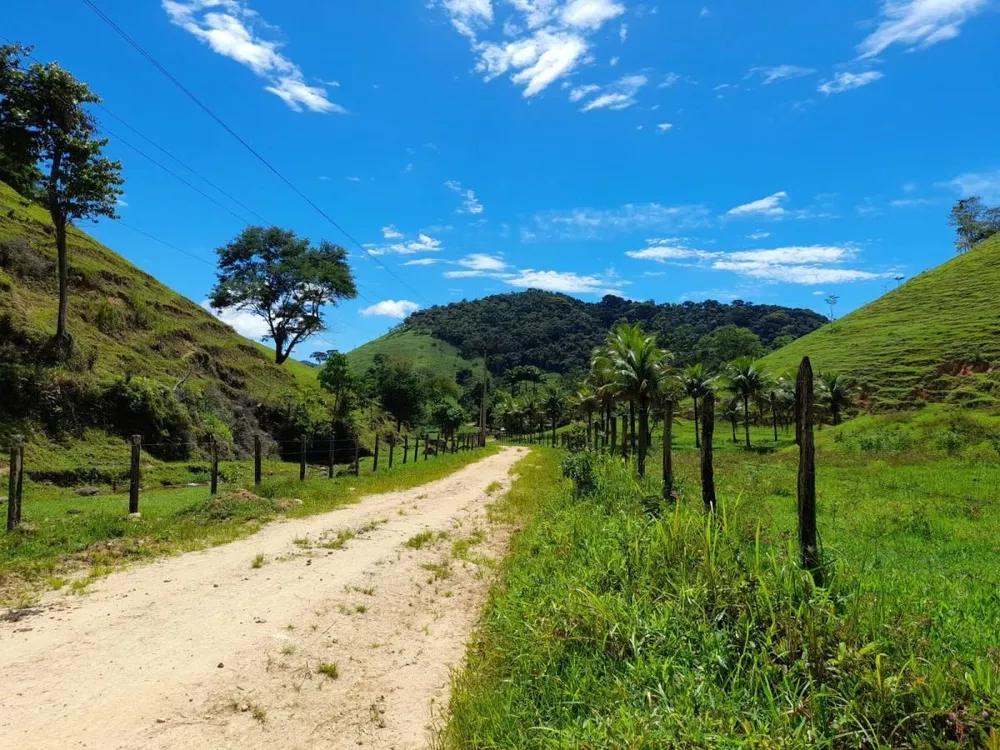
620	621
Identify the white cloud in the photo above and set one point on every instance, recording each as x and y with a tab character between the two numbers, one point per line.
792	265
623	32
759	235
769	206
781	73
566	282
911	202
483	262
354	179
844	81
670	79
663	127
423	244
470	204
613	61
705	12
918	24
593	223
984	184
246	323
546	42
228	28
582	91
423	262
391	308
618	95
391	233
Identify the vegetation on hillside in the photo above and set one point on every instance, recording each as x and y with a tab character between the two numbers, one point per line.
935	338
557	333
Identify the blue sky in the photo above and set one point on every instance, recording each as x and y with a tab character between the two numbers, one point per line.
775	152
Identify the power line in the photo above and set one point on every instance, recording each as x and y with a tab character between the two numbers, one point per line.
173	174
167	74
190	169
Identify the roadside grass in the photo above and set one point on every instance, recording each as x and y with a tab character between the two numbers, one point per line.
63	533
622	621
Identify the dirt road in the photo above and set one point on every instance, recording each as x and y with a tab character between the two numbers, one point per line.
330	642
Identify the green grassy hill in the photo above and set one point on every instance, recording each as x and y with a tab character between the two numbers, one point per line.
935	338
420	348
146	360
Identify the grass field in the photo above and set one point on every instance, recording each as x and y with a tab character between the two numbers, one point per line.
621	621
421	349
934	338
68	540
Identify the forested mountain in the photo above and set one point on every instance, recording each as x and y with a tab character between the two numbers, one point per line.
557	333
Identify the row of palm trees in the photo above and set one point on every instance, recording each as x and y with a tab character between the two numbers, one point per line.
630	372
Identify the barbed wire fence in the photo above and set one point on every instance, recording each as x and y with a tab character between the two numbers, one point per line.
147	457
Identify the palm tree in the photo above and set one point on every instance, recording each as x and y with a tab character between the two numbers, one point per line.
587	403
602	379
552	402
836	393
639	367
696	383
747	381
733	415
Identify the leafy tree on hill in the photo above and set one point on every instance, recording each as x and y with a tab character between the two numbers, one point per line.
974	222
727	344
335	377
448	415
284	280
48	136
398	387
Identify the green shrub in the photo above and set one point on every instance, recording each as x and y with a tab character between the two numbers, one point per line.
882	441
951	441
109	318
579	467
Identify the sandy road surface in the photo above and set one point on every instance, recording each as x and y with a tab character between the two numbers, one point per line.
206	651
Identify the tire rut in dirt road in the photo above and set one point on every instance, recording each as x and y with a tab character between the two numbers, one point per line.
332	642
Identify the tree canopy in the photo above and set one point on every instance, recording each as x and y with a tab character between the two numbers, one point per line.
974	222
284	280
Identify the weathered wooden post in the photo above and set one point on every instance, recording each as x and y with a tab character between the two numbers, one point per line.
625	436
437	445
416	448
668	456
257	454
15	482
331	459
357	458
214	450
392	448
454	444
427	444
406	448
375	459
133	475
808	546
707	438
302	458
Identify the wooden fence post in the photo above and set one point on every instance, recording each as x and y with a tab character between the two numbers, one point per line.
14	482
406	448
625	436
214	450
133	475
392	447
416	448
302	458
357	458
332	458
668	457
375	459
808	546
427	444
257	451
454	443
707	438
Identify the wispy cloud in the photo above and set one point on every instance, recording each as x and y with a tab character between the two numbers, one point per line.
229	28
566	282
594	223
845	81
423	262
391	308
244	322
479	264
424	243
810	264
917	24
470	204
546	40
769	206
984	184
663	127
780	73
615	96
